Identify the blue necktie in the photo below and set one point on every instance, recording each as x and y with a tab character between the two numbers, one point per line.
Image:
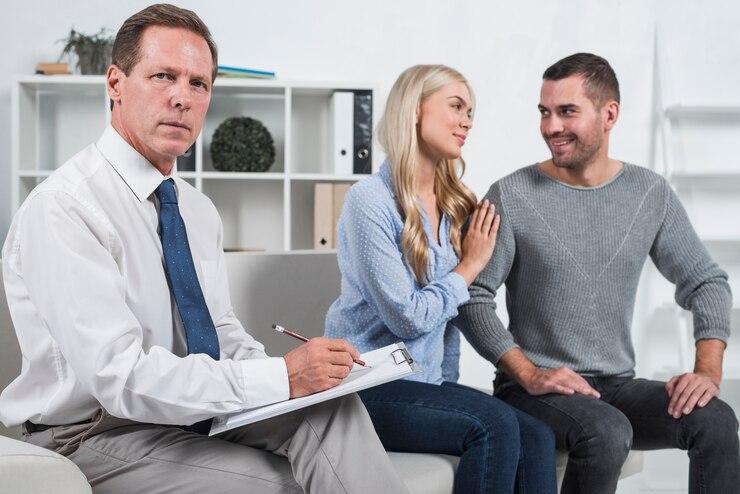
199	329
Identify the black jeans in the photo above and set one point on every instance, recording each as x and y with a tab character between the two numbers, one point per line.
632	414
501	449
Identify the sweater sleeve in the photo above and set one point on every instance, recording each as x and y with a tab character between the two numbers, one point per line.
478	319
701	286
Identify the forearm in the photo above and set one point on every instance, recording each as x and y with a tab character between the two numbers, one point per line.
709	355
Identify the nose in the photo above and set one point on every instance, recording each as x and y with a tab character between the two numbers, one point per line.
181	98
466	122
551	125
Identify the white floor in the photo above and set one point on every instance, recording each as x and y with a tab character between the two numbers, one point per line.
664	472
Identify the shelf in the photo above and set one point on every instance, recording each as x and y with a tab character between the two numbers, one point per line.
705	179
325	177
54	117
702	111
242	176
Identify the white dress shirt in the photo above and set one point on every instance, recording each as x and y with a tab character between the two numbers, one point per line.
97	325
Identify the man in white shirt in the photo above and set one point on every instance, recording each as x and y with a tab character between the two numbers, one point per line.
115	277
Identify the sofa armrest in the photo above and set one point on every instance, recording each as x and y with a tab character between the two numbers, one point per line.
30	469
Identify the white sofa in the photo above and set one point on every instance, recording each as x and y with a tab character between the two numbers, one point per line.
294	290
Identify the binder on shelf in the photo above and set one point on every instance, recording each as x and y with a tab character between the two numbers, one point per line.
338	200
363	132
341	126
384	365
323	216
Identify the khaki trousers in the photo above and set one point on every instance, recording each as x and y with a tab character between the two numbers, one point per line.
330	447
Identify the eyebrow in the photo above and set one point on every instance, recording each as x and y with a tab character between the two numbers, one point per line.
462	100
177	71
567	106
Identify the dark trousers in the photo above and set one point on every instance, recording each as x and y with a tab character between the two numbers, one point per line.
632	414
501	449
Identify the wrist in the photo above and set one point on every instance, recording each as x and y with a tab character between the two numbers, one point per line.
713	376
464	270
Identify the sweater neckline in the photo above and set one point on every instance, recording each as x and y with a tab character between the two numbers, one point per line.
580	187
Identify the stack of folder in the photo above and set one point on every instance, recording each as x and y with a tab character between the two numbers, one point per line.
327	206
242	72
47	68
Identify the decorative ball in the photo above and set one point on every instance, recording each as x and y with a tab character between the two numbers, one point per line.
242	144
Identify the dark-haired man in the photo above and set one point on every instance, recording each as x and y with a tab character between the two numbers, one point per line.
575	232
116	282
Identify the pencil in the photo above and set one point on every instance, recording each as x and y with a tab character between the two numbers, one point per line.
297	336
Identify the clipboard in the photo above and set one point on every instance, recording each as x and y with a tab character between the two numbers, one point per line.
386	364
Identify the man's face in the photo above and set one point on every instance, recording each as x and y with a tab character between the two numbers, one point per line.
161	104
570	123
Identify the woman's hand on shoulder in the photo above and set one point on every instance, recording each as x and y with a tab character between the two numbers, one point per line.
479	241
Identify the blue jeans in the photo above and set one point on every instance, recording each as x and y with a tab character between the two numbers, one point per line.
501	449
632	414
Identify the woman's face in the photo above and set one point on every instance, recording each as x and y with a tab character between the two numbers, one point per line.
444	120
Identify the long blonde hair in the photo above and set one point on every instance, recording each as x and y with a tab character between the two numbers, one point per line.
397	134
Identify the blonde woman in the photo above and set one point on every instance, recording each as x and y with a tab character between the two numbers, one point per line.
406	266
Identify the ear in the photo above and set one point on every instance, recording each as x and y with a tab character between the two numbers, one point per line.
114	78
417	118
611	115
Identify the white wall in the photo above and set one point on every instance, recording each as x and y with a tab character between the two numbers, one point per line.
502	47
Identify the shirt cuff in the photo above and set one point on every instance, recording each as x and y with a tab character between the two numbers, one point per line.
265	381
459	287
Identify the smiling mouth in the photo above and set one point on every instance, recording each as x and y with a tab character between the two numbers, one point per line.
460	139
560	142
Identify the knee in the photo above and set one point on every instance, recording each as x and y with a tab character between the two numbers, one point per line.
714	425
497	424
610	439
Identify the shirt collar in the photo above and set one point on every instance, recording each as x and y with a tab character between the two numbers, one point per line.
136	171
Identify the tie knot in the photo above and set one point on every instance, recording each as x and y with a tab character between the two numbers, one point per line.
166	192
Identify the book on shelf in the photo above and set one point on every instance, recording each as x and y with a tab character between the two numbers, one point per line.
243	72
47	68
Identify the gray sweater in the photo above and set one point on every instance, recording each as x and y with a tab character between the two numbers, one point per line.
571	259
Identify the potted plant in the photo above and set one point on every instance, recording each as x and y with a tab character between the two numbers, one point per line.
93	51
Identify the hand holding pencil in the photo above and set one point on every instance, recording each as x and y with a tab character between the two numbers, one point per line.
321	363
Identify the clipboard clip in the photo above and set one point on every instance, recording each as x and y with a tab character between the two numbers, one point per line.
401	355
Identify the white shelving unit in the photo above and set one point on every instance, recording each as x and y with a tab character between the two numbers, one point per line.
53	117
698	158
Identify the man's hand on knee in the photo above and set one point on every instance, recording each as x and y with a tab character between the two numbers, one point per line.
688	391
319	364
562	381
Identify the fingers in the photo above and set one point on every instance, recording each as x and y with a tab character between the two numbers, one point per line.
494	228
671	385
482	210
341	358
579	384
691	402
488	220
690	390
681	384
681	406
339	371
707	396
563	390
